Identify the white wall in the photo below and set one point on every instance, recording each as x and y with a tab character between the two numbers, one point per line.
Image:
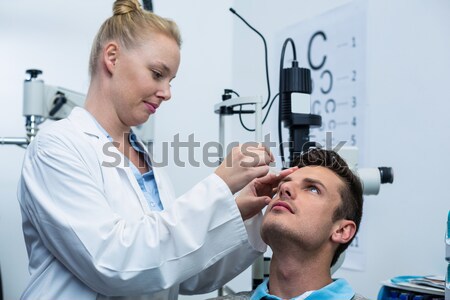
407	123
408	69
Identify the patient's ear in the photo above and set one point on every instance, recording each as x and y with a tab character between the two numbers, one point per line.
343	232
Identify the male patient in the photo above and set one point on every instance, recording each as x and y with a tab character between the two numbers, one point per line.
308	224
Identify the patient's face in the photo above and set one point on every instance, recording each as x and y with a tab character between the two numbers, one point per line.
302	211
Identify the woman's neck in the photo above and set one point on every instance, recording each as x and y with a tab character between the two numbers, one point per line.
98	106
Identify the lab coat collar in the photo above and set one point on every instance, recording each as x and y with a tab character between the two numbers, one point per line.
84	120
108	154
87	123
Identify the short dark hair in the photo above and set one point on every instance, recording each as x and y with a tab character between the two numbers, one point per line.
351	194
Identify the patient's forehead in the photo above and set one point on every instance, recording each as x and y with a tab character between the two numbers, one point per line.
326	176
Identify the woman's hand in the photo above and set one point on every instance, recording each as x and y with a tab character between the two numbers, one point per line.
258	193
243	164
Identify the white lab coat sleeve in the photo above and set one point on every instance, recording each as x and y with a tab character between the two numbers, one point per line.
231	265
112	255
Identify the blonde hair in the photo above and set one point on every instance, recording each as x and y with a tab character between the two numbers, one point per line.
129	26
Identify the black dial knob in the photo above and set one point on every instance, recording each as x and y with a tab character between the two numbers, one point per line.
34	73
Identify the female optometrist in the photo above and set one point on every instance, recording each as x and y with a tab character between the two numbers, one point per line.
96	229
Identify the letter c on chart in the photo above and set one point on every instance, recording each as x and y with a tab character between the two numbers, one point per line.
332	124
330	85
316	107
330	106
313	66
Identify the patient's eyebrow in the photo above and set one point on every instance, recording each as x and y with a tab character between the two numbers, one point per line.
285	179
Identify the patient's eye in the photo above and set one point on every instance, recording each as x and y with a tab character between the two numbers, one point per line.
314	189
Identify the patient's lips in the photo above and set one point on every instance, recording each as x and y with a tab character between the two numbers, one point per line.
282	206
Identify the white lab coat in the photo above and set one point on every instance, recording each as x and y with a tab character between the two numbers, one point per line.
90	233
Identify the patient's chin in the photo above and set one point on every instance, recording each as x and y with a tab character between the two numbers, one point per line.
273	230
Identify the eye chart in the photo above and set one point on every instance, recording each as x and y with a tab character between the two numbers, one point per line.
333	47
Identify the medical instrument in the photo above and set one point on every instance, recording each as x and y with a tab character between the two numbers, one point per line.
43	102
447	258
228	108
295	114
1	286
148	5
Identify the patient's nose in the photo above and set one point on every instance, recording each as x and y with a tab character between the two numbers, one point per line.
286	191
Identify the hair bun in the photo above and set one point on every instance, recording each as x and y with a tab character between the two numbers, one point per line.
122	7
